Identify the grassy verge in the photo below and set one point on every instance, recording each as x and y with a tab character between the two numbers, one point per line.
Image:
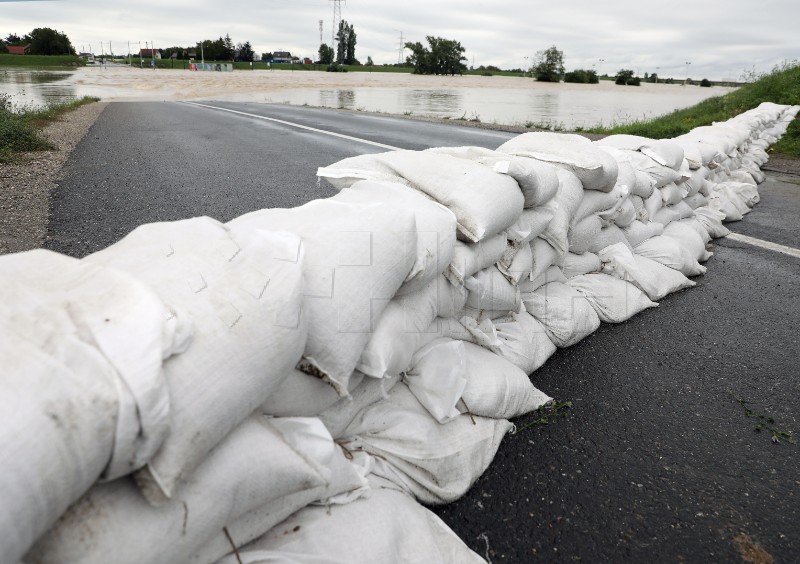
781	86
7	60
20	127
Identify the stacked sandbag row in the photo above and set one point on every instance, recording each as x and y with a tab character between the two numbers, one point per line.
274	387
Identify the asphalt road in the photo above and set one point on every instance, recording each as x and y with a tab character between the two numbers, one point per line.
658	458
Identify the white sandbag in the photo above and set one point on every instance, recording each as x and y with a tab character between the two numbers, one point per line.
552	274
719	200
582	235
666	215
484	202
697	182
496	387
437	377
531	224
594	202
671	194
711	220
520	266
569	196
405	325
644	185
664	152
613	300
565	314
696	201
608	235
112	314
585	263
596	169
653	278
469	258
242	290
626	174
346	482
689	239
537	180
260	461
304	395
660	174
490	290
638	205
671	253
544	255
698	228
357	256
523	341
625	214
638	232
382	526
438	463
652	204
345	173
453	377
436	227
339	416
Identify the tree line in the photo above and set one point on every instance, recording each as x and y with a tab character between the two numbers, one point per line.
42	41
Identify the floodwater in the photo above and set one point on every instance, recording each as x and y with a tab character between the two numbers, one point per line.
502	100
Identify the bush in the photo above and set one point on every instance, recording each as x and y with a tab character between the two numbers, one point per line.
705	83
582	76
336	67
625	78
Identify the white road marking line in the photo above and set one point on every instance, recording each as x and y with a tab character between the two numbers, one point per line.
792	252
297	125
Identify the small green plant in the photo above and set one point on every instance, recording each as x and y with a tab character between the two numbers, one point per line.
765	423
20	125
547	414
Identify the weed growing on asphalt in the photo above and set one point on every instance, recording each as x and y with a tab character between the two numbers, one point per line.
765	423
547	414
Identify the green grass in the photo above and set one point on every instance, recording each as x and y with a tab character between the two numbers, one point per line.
20	127
781	86
7	60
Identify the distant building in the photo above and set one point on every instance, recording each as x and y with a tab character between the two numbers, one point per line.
150	53
18	49
281	57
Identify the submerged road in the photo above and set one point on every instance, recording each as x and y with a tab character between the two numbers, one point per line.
658	459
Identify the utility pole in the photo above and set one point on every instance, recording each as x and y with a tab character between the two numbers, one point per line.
320	32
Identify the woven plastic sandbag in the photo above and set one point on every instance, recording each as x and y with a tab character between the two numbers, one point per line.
613	300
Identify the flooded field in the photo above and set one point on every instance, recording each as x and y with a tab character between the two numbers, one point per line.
491	99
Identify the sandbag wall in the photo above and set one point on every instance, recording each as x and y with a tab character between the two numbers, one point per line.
288	385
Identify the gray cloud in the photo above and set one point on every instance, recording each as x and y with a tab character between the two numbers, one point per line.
720	40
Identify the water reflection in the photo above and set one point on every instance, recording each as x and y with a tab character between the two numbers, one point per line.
32	87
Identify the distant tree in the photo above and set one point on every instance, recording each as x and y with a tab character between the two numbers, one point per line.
626	77
46	41
325	54
705	82
582	76
549	65
212	50
180	52
244	52
369	61
652	78
3	48
345	44
13	39
266	57
443	56
229	50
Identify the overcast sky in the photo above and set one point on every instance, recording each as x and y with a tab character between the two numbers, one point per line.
721	40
